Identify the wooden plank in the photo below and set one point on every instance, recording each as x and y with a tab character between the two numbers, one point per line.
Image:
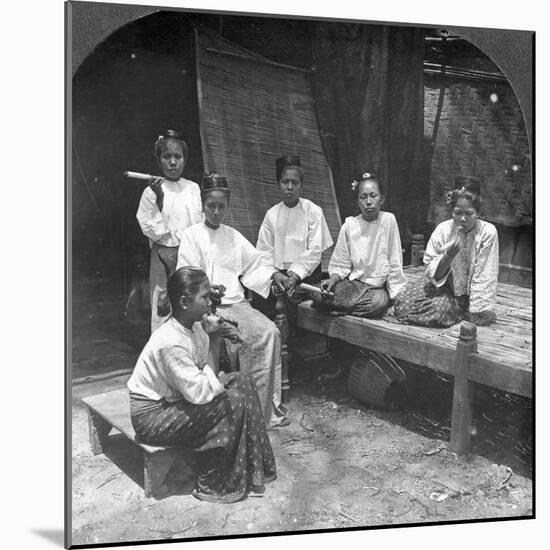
383	338
463	391
505	289
509	295
518	337
498	366
512	378
114	408
513	303
516	275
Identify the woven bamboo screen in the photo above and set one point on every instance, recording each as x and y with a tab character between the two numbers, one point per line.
481	132
251	112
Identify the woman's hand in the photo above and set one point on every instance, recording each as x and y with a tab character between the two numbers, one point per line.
328	284
218	327
212	324
482	318
293	281
280	280
456	245
223	377
230	332
156	185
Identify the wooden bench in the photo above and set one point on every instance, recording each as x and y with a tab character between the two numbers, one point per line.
112	410
499	356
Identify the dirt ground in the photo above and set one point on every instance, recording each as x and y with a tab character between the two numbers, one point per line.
339	463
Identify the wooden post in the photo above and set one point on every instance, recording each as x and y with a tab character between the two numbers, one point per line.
98	430
463	390
417	249
155	469
281	321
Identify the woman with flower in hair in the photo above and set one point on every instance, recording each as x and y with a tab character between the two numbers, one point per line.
461	262
231	261
168	205
366	267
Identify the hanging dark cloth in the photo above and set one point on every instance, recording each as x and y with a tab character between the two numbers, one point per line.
368	84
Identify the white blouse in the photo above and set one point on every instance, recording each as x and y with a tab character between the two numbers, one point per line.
228	259
173	365
474	268
370	252
181	208
295	238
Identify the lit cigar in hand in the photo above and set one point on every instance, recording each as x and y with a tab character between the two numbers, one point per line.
315	289
214	324
311	288
140	176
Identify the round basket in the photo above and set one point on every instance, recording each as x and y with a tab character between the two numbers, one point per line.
370	377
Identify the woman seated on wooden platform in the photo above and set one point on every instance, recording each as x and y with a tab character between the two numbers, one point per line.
294	232
462	263
366	267
229	260
176	398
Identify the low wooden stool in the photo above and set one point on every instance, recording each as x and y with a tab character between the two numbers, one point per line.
112	410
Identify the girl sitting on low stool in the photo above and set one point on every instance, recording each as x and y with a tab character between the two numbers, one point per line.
177	398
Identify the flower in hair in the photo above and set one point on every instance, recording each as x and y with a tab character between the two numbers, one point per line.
448	197
366	176
354	185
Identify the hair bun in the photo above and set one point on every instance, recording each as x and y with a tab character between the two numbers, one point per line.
214	180
468	183
174	134
171	134
286	161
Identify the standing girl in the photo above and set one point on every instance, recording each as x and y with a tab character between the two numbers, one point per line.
229	260
168	206
176	398
366	267
294	232
461	262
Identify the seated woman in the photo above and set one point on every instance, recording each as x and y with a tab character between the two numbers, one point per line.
366	267
229	260
177	399
294	232
461	262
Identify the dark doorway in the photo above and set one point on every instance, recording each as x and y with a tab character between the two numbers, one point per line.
137	83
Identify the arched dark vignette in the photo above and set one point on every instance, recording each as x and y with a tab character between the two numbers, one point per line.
513	52
89	24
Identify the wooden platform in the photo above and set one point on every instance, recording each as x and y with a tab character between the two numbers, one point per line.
504	358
